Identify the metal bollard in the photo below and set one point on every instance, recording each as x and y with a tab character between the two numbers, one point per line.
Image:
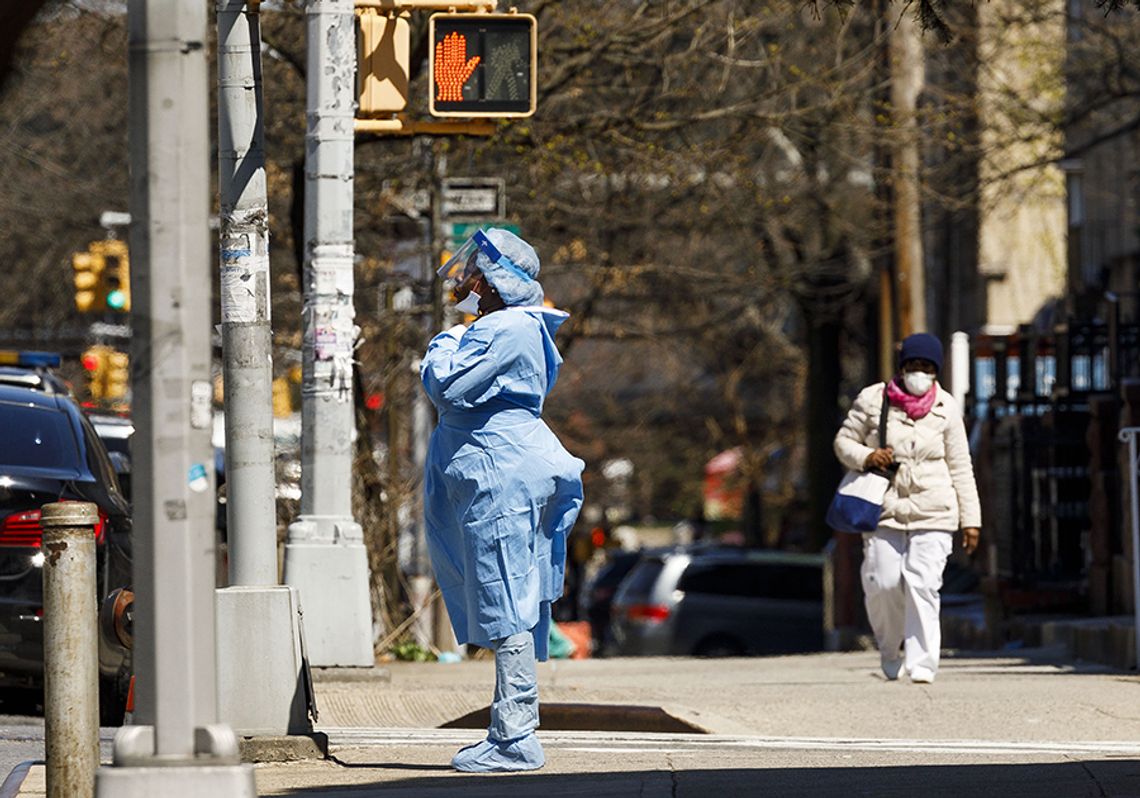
71	653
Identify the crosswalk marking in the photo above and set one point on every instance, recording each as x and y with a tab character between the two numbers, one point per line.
634	742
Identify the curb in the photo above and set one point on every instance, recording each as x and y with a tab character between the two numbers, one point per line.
284	748
11	786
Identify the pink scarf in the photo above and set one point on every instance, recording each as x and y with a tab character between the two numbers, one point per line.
915	406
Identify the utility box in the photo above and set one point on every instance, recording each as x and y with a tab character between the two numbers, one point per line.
483	65
383	54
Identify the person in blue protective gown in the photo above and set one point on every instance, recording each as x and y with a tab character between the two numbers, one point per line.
501	493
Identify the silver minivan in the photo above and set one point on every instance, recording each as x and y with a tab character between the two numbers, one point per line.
720	601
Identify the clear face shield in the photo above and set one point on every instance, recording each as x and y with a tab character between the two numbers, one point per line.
460	267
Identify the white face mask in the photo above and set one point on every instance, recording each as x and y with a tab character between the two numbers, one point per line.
917	383
469	304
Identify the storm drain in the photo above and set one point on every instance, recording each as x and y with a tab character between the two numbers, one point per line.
592	717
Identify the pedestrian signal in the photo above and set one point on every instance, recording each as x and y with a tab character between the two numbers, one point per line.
382	57
483	64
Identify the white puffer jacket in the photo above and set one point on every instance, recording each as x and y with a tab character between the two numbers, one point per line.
934	487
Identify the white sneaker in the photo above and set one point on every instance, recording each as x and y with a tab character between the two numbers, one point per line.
922	676
891	667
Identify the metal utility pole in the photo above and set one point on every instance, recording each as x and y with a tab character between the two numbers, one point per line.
179	748
261	688
324	553
908	68
421	582
246	342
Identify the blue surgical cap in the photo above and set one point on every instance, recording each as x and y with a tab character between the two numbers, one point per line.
517	281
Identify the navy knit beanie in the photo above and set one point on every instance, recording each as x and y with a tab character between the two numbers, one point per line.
921	346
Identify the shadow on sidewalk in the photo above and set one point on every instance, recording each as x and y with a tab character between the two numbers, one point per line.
1107	778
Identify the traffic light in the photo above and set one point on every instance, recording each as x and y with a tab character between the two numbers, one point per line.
88	268
116	275
94	360
483	64
117	376
282	398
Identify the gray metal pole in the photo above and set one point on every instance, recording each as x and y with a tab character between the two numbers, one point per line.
170	356
324	554
178	749
71	651
260	669
246	335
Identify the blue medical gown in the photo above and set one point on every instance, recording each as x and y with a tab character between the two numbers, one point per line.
501	493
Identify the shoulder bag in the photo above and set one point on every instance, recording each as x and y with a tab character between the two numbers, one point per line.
858	501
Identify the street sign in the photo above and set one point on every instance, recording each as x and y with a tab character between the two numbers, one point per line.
479	197
458	232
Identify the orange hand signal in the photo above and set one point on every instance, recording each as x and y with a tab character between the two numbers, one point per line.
452	67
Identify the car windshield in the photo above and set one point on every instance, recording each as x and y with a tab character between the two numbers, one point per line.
613	572
37	438
641	580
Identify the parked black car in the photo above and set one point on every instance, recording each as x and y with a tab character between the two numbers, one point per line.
52	453
598	596
720	601
115	431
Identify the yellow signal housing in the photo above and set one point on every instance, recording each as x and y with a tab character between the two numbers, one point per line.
383	53
88	267
115	275
95	361
117	378
282	398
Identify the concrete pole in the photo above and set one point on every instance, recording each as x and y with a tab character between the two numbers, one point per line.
246	336
178	748
260	668
908	69
324	553
71	651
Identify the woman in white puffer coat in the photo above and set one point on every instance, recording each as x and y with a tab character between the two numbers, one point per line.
932	495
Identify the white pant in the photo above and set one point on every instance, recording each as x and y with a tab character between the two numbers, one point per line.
902	574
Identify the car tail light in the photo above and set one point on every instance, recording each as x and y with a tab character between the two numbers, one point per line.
23	529
647	613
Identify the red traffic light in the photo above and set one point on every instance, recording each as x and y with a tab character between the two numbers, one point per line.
90	362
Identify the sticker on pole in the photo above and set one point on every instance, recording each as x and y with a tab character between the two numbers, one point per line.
199	478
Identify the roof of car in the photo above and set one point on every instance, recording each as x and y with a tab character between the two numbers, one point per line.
711	552
36	378
18	394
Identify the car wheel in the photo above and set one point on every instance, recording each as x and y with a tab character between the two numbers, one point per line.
719	646
22	701
112	701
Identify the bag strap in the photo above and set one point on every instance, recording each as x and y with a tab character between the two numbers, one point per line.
883	419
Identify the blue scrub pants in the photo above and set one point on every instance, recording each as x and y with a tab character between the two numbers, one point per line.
511	743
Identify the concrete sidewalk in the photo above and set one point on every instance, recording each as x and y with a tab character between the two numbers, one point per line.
822	725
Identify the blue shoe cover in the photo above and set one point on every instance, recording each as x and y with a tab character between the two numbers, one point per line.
489	756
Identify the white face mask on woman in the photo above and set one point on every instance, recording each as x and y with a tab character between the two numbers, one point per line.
917	383
469	304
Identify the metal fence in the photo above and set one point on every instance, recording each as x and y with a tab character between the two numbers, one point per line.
1043	414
